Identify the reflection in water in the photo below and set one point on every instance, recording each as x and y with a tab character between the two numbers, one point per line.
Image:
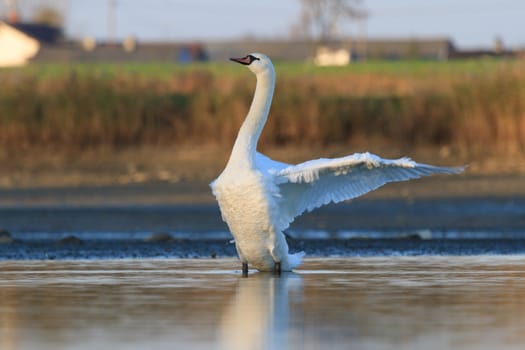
258	315
379	303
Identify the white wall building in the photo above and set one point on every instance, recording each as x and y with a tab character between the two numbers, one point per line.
331	57
16	47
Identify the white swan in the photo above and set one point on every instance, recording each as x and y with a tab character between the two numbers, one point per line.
259	197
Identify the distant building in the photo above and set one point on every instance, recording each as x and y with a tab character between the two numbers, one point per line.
44	33
16	47
192	53
398	49
130	50
326	56
278	50
301	50
19	42
498	50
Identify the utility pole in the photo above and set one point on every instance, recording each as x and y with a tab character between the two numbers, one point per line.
112	21
363	37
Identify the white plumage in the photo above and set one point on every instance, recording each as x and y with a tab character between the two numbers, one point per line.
259	197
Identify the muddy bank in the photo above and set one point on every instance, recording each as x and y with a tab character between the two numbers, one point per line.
44	168
198	192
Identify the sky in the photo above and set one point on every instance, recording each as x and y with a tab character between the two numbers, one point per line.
469	23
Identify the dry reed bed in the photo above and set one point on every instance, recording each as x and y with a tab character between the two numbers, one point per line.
468	111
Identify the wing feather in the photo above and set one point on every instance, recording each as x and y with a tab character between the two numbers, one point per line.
312	184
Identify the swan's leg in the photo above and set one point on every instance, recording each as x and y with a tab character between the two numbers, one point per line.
244	261
277	269
276	261
278	249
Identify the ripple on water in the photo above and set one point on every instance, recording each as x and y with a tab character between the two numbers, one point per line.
380	302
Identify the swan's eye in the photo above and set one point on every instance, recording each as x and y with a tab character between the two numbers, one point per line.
253	58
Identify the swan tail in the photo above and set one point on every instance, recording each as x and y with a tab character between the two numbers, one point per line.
294	260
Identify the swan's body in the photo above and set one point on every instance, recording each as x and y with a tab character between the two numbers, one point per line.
259	197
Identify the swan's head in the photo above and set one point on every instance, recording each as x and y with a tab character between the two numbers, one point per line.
256	62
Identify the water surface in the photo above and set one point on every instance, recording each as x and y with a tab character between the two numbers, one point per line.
360	303
438	218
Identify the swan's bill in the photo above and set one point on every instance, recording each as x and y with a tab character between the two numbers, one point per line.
247	60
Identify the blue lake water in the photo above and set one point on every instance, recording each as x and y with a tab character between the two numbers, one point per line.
363	218
457	282
188	210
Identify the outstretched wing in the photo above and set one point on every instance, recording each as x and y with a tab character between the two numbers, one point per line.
311	184
269	165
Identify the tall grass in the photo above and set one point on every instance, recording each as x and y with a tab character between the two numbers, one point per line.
468	105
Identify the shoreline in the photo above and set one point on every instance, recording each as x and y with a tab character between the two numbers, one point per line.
198	192
173	175
220	249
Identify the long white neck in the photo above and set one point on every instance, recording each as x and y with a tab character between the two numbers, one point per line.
244	149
